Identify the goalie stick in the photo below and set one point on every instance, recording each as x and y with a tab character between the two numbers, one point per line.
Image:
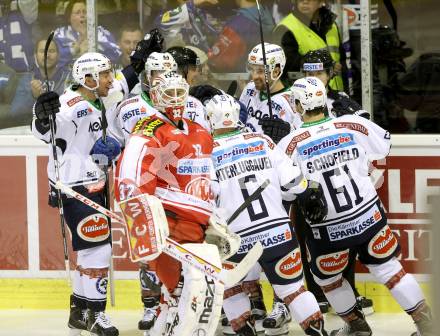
184	255
56	162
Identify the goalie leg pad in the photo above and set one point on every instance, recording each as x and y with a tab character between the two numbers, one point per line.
146	225
201	299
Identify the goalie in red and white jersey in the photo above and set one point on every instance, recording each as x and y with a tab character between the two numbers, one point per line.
170	157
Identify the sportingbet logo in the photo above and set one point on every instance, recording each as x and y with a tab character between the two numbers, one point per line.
236	152
326	144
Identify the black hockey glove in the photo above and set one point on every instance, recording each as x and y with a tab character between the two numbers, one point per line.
275	128
204	92
152	42
47	104
312	203
344	105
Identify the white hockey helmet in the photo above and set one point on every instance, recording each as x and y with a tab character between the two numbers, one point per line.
310	92
223	111
274	56
91	63
159	62
169	93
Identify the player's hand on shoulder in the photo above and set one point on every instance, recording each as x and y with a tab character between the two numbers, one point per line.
275	128
105	152
47	104
345	105
312	203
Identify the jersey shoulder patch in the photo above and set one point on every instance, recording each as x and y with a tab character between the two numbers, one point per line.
148	126
74	100
294	141
129	101
352	126
269	142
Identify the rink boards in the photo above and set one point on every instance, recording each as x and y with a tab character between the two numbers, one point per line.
30	236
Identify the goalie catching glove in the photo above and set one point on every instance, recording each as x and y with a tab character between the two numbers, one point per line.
218	234
312	203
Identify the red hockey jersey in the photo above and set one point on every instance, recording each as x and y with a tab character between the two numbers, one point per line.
174	165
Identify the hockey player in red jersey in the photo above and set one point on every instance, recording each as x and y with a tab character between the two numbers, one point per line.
170	157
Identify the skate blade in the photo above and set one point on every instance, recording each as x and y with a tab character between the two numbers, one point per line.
77	332
368	311
283	330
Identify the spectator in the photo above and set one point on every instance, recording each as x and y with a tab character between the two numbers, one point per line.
130	34
190	23
15	31
33	84
311	26
72	39
8	84
239	35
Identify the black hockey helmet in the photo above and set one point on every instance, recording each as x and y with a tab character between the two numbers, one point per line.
317	60
184	58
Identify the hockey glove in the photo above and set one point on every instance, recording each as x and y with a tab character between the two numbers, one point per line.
275	128
152	42
104	153
312	203
345	105
204	92
47	104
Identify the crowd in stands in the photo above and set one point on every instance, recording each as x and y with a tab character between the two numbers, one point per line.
222	34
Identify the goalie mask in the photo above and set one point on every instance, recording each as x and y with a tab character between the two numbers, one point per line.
160	62
310	92
223	111
90	64
169	92
274	57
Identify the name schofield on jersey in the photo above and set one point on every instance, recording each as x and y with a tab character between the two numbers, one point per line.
333	159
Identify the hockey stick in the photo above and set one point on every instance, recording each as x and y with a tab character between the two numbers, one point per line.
252	197
266	70
184	255
56	162
104	125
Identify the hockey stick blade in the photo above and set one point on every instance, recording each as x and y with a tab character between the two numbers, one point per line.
252	197
181	253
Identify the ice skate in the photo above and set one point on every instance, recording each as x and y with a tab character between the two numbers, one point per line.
258	313
99	324
358	327
277	322
150	313
365	304
77	319
247	330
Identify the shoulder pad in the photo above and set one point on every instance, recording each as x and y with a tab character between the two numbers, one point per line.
269	142
354	126
129	101
148	126
294	141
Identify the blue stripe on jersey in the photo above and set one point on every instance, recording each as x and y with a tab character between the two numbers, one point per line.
236	152
326	144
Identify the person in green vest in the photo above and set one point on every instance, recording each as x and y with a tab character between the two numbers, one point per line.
310	26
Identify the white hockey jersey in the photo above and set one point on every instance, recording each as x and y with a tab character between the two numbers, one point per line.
336	153
78	126
257	107
242	162
195	111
